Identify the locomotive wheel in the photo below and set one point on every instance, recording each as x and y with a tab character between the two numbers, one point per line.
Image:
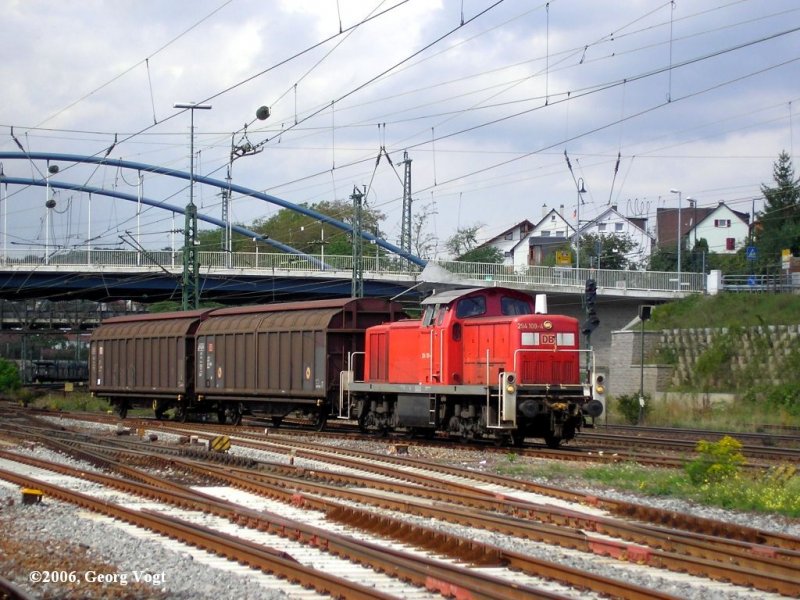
552	441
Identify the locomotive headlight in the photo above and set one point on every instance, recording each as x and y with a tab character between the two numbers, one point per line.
510	389
600	388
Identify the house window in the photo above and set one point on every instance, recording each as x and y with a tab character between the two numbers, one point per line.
560	233
545	234
601	227
618	226
552	218
730	244
509	235
722	222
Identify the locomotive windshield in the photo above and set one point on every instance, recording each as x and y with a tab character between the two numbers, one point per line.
515	306
471	307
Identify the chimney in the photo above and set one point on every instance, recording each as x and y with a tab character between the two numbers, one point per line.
561	210
544	210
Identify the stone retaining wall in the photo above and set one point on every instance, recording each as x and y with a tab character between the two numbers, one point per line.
767	345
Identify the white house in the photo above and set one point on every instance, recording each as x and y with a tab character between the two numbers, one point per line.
612	222
509	239
724	229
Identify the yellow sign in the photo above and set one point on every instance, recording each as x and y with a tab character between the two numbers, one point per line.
786	258
563	258
221	443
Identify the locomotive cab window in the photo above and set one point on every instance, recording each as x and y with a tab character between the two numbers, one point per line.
514	306
441	312
427	316
471	307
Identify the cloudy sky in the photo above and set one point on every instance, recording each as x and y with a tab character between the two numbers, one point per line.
485	96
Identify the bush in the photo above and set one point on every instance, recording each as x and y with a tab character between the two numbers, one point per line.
717	462
629	407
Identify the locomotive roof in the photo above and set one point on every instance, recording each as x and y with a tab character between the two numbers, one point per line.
448	296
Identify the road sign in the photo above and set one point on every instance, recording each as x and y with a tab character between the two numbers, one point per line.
751	253
563	258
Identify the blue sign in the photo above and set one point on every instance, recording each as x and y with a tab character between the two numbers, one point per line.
751	253
752	281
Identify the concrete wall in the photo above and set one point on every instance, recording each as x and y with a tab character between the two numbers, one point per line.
625	364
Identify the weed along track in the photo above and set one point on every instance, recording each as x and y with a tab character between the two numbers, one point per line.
341	519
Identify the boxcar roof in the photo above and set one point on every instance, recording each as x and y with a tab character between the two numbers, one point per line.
186	314
336	303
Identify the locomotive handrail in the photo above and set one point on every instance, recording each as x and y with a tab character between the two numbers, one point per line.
345	378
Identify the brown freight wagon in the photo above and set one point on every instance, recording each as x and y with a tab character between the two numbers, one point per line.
279	358
271	359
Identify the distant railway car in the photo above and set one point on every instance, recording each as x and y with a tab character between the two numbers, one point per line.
59	371
479	364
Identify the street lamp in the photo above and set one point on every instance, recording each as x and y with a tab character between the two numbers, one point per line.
581	190
191	281
674	191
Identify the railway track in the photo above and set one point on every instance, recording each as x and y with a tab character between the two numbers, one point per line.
385	495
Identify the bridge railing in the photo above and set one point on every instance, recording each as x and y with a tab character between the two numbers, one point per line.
570	277
263	261
267	263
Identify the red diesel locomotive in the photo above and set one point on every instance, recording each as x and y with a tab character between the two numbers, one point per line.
479	364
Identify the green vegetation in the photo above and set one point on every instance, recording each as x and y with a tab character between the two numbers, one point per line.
71	401
9	377
714	477
629	407
726	310
699	411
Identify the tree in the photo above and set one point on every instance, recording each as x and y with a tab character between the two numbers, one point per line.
423	243
301	231
607	251
463	244
483	254
779	223
463	240
9	376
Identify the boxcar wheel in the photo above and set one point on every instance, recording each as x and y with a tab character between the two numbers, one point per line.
221	416
122	410
182	414
158	409
320	420
277	422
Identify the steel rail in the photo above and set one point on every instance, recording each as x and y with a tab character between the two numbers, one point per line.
449	579
243	551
